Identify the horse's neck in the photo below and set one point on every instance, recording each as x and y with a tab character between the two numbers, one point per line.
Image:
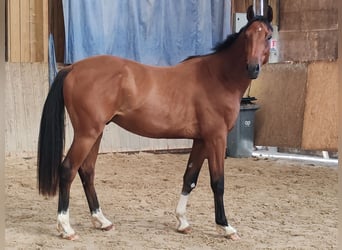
232	67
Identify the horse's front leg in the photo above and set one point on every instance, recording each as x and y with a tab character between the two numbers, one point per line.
216	151
190	177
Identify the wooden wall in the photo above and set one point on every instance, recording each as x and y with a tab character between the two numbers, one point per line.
280	90
320	124
308	30
298	105
27	30
26	87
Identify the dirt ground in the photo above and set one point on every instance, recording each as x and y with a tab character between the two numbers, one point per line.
274	204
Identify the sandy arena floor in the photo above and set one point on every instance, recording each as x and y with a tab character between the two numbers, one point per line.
274	204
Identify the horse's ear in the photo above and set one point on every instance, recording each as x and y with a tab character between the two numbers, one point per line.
250	13
269	14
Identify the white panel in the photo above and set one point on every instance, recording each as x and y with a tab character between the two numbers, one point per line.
240	20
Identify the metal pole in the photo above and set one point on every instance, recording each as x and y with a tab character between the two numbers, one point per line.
259	7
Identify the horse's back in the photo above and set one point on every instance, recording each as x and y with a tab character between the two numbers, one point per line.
147	100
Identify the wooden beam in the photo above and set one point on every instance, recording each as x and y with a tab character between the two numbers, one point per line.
25	47
36	30
33	30
45	30
241	5
14	30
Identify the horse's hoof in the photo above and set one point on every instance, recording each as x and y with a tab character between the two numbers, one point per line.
186	230
70	237
107	228
233	236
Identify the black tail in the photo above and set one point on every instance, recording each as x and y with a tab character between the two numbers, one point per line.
51	138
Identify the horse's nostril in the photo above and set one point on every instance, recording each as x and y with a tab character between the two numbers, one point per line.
253	70
253	67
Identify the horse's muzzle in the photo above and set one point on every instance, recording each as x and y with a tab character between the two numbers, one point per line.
253	70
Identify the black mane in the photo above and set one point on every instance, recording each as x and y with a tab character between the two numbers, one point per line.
228	42
233	37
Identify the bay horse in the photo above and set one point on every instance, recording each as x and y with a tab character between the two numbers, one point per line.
198	99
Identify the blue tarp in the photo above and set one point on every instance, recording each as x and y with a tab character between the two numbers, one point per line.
156	32
52	60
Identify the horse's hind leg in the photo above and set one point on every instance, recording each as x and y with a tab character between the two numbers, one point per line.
78	151
87	173
190	177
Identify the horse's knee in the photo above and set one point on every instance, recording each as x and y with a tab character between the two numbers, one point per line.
218	186
189	182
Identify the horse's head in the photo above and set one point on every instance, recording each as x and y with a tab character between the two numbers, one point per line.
258	32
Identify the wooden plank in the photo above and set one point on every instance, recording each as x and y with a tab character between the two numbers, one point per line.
56	26
298	107
36	30
15	109
33	29
309	20
241	5
308	46
25	47
27	30
45	30
320	130
26	87
14	30
280	90
275	7
39	34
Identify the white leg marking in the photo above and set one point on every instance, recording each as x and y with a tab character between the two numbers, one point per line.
227	230
180	213
63	226
100	221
